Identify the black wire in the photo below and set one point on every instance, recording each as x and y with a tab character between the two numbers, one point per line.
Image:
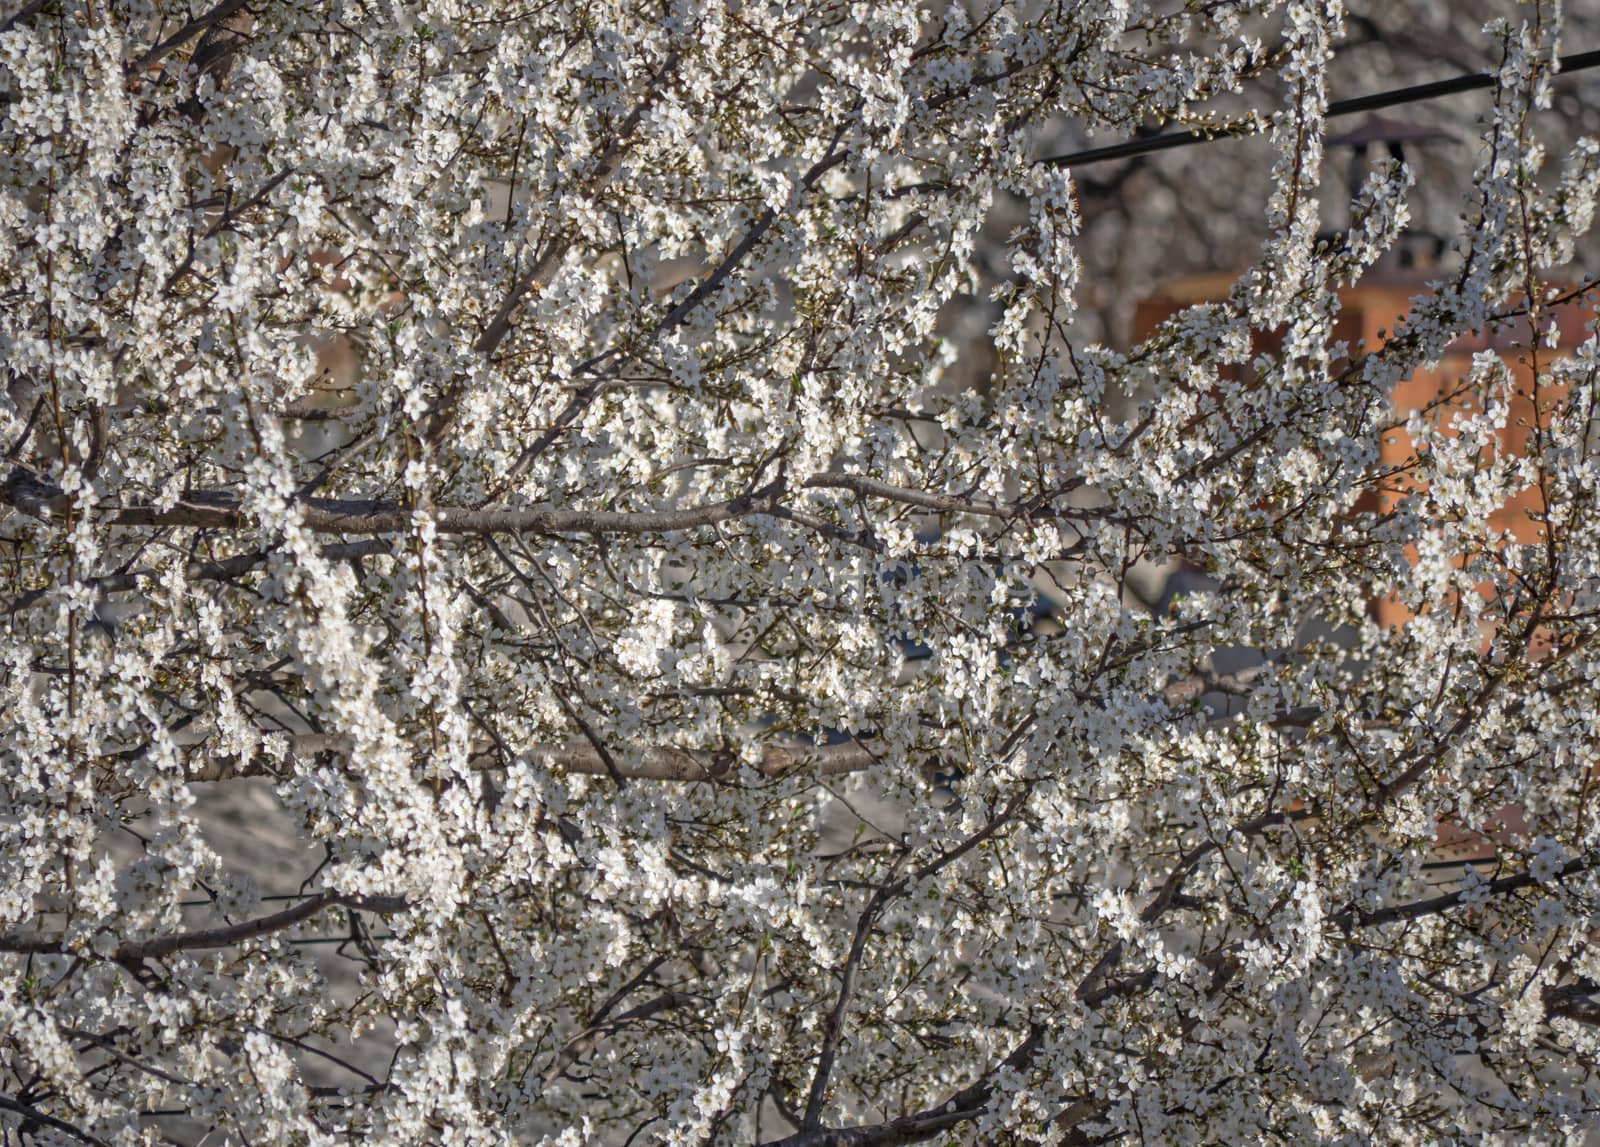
1414	94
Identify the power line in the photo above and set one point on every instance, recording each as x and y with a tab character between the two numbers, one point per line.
1414	94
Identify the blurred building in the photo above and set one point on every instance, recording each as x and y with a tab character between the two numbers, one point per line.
1370	312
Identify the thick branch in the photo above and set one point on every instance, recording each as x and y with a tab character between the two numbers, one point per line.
947	503
223	569
654	763
1577	1002
833	1031
450	521
586	1041
30	494
32	1114
186	33
962	1107
1432	906
133	951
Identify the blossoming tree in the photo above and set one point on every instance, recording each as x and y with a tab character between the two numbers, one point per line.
642	535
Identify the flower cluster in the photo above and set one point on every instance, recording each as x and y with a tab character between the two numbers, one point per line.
572	573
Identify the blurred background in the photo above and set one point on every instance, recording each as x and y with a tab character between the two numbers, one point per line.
1154	220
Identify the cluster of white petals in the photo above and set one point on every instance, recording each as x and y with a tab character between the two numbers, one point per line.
526	450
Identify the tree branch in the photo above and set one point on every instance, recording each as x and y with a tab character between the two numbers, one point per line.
947	503
29	1112
186	33
134	951
584	1042
32	495
833	1032
654	763
1352	916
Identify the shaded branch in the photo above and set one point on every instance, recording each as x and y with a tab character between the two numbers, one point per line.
32	495
950	503
584	1042
186	33
42	1119
654	763
134	951
1352	916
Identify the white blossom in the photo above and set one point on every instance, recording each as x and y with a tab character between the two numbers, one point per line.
585	573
